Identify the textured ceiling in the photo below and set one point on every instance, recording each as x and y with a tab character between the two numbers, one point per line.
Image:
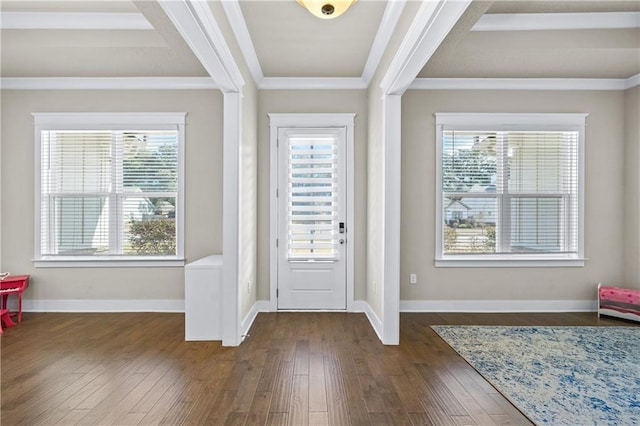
290	42
601	53
96	53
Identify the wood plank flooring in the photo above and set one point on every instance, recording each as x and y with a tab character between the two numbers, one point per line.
293	369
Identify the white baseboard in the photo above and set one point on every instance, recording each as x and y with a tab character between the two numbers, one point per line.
157	305
496	306
259	306
373	318
177	305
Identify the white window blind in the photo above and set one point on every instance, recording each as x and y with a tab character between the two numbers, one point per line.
108	192
312	198
510	193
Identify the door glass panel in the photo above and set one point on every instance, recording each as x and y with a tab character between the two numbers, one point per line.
312	198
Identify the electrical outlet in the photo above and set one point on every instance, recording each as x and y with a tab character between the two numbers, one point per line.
413	278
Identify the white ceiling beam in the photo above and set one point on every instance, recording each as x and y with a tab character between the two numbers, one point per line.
19	20
388	23
197	25
557	21
432	23
241	31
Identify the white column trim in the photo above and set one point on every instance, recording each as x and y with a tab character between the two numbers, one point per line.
239	27
431	25
232	137
392	120
273	217
197	25
388	23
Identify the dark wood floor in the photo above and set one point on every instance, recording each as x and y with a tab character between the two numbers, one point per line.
295	368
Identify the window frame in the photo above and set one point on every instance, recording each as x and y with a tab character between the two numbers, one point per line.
109	122
509	122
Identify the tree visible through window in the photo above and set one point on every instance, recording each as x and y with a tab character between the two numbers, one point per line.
109	192
508	190
150	166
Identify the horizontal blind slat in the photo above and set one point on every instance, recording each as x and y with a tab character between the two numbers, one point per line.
312	197
533	176
104	192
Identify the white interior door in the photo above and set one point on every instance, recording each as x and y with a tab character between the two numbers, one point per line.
311	200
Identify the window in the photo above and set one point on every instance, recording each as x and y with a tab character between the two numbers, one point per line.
509	189
110	189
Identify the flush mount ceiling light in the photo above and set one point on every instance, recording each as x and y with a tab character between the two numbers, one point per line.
326	9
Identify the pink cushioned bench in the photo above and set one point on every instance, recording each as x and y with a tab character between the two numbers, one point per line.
619	302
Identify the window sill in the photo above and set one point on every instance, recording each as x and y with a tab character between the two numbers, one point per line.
510	262
109	262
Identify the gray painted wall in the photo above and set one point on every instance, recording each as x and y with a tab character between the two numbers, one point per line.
632	187
203	179
604	198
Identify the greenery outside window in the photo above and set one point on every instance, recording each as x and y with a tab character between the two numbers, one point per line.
509	189
109	189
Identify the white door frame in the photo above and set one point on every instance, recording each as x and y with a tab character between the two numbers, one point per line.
304	121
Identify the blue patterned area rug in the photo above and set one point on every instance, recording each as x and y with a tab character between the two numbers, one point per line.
558	375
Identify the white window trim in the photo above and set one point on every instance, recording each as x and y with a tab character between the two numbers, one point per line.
109	121
510	122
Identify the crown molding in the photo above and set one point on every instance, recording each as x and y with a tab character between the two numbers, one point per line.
432	23
524	83
239	27
197	25
632	81
388	23
199	83
557	21
311	83
106	83
20	20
